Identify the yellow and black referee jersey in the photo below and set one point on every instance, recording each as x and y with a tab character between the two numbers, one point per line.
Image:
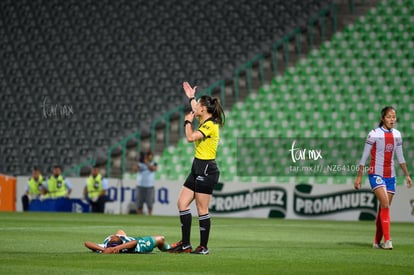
206	148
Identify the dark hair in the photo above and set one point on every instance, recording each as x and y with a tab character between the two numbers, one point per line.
142	155
384	112
213	107
114	243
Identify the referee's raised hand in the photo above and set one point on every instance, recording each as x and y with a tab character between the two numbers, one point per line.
189	91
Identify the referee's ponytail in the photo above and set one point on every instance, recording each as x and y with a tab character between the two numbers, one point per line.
214	108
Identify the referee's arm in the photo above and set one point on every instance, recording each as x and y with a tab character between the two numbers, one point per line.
190	134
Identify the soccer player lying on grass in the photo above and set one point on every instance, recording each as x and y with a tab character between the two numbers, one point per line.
121	243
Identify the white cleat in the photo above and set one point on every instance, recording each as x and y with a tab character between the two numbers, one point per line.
378	246
388	245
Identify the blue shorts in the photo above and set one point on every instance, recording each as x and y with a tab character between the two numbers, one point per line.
377	181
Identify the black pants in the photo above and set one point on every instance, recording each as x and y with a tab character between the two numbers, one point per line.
99	205
25	202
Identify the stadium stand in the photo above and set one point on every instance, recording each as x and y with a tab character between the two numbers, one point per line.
336	91
78	75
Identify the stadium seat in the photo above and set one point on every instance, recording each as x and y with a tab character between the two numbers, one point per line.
111	65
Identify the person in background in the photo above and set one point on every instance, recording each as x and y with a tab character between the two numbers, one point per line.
145	191
382	144
57	186
95	190
35	188
121	243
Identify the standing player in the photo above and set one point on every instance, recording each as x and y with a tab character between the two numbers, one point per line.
382	143
204	172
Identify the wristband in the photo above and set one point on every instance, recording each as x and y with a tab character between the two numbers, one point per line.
187	122
191	99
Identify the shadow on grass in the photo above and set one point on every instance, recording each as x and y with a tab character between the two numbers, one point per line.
354	244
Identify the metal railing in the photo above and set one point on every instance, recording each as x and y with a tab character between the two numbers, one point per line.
166	118
321	17
76	169
284	44
248	69
122	144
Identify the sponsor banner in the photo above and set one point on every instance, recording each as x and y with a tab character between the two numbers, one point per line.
249	200
308	201
311	204
59	205
260	200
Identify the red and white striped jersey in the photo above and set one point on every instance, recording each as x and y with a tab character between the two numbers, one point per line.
381	144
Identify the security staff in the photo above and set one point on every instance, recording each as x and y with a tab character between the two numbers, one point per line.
34	189
95	190
57	186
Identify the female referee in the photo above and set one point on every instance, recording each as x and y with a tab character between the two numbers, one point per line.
382	143
204	172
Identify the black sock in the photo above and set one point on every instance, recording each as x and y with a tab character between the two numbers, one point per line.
205	224
185	218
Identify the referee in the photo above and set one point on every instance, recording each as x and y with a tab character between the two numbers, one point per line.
204	171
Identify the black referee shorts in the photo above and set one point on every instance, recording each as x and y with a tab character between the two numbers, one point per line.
204	174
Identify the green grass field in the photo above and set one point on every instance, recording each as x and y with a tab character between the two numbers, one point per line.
52	243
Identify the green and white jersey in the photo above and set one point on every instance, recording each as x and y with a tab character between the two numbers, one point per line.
144	245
